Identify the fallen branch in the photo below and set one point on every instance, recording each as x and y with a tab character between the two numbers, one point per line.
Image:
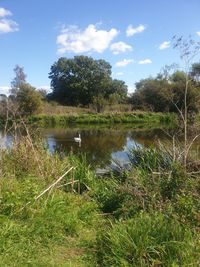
52	185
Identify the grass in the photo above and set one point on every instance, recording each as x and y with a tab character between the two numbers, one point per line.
147	240
105	118
57	230
145	216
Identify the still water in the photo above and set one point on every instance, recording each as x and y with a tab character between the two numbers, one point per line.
101	145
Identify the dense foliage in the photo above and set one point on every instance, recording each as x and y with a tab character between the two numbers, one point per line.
166	94
82	80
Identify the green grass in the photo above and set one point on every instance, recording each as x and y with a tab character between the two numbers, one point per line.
147	216
147	240
58	230
109	118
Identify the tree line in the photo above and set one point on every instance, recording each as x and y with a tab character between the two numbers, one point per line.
84	81
166	92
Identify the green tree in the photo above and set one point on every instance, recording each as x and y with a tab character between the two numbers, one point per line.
28	100
152	94
120	89
98	103
80	79
166	93
177	84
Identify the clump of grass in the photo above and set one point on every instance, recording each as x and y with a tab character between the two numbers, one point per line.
150	159
147	240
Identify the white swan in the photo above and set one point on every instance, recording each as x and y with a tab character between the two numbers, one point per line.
78	139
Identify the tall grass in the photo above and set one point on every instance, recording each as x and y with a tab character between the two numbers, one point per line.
40	233
56	230
147	240
147	215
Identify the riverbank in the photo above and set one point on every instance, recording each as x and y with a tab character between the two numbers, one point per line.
105	118
141	217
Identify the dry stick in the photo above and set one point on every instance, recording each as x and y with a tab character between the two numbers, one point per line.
69	183
46	190
52	185
88	188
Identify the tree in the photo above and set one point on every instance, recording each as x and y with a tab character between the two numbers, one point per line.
118	88
152	94
19	79
24	99
99	103
28	99
166	93
195	72
177	85
80	79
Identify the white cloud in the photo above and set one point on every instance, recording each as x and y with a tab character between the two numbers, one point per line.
7	25
120	47
145	61
4	12
164	45
124	62
72	39
131	31
4	90
198	33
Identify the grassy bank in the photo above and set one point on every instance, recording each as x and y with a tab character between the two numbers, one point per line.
105	118
144	216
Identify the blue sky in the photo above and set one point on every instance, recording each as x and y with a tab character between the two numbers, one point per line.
134	36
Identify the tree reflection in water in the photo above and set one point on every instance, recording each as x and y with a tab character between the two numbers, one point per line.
101	145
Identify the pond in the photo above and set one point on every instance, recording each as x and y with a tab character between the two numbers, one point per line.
101	145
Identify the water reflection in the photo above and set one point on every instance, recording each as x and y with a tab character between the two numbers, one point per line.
101	144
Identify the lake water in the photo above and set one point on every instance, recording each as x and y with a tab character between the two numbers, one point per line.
102	145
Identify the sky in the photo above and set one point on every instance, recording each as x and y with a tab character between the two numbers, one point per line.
134	36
